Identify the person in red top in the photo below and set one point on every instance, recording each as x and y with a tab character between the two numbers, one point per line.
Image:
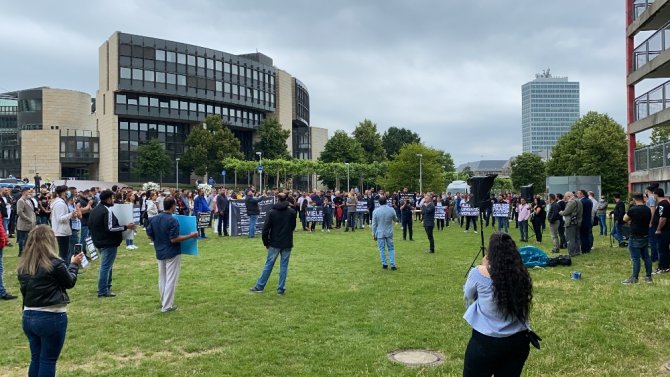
4	295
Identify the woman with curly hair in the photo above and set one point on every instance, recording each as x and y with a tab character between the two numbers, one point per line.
499	294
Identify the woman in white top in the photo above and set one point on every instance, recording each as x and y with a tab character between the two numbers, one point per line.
60	220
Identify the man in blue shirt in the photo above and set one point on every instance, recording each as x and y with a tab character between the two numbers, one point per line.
382	231
163	230
199	206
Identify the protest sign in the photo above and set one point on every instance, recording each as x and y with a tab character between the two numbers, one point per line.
124	213
501	210
314	214
466	210
187	225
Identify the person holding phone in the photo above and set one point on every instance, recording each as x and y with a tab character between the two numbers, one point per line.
44	279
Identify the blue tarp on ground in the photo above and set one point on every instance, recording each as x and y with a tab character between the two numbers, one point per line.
532	256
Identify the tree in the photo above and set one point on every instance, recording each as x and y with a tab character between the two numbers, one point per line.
502	185
342	148
208	146
596	145
153	161
403	170
366	134
467	172
660	135
273	139
395	138
528	168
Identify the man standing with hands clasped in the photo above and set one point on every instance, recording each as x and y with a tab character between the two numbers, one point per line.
163	230
428	214
639	217
382	231
278	239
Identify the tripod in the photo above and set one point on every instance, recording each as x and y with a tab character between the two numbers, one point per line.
482	248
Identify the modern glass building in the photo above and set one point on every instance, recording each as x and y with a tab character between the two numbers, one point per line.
549	106
154	88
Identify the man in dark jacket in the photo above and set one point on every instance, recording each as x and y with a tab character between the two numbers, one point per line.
222	211
428	214
618	213
554	222
107	236
586	228
253	210
278	239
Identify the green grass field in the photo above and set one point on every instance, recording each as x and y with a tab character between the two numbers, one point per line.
342	313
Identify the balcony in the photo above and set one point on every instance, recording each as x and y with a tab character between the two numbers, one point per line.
652	47
639	6
652	102
647	15
79	146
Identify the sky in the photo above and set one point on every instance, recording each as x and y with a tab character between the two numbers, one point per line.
450	71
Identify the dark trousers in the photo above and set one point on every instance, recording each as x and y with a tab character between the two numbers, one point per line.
407	227
222	226
471	220
663	242
46	335
440	224
537	228
351	220
64	248
561	235
502	357
21	237
327	221
431	240
585	241
303	220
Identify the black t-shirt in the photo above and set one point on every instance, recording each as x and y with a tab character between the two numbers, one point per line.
640	215
662	210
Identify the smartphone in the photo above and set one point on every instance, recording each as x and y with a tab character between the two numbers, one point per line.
78	248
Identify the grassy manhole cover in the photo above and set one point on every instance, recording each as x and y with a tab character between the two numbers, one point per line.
417	358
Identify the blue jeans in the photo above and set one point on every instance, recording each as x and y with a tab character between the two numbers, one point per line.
2	282
108	255
46	335
252	225
129	242
83	235
42	220
388	242
273	253
602	220
617	232
21	237
653	245
5	224
638	248
503	223
523	228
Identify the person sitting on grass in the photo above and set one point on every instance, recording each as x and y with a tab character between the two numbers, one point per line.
499	294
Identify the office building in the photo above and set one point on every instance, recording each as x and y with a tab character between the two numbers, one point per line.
647	109
154	88
49	131
549	107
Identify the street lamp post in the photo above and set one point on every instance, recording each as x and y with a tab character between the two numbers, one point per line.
420	156
348	189
177	171
260	171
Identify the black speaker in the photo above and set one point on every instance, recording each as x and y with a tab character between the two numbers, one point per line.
527	192
480	191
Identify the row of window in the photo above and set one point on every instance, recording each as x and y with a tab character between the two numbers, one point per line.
132	133
228	113
223	88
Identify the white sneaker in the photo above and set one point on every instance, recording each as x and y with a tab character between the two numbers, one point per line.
135	247
151	243
129	247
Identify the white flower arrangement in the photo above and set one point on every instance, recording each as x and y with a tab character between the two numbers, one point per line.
206	189
151	186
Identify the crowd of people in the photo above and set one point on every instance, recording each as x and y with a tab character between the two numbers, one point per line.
52	228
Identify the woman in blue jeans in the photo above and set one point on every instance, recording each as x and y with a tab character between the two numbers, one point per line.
44	277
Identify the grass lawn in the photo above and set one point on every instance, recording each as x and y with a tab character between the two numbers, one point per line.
342	313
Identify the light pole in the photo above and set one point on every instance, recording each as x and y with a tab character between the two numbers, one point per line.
177	171
260	171
420	156
348	189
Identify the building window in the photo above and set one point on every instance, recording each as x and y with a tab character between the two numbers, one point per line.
121	99
153	102
174	104
137	74
148	75
192	106
160	77
160	55
235	90
210	64
226	67
235	70
171	56
219	86
218	65
226	88
144	101
201	62
181	58
181	80
171	78
190	59
125	73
